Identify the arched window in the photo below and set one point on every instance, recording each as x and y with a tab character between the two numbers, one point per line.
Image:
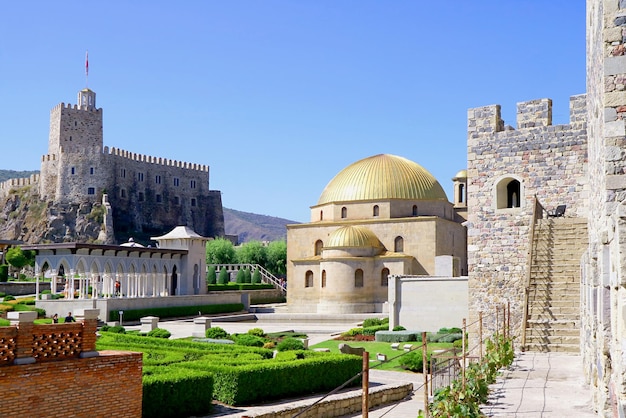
323	278
414	210
376	210
344	212
509	193
318	247
461	193
308	279
398	244
384	277
358	278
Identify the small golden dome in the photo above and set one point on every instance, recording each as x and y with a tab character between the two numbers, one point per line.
382	177
353	236
461	175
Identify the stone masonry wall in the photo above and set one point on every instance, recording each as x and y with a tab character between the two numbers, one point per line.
603	301
549	161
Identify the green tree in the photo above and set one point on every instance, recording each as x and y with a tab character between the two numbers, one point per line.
211	275
252	252
241	276
247	275
18	258
220	251
223	279
277	258
256	276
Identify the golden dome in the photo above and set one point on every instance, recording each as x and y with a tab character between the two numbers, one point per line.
461	175
382	177
353	236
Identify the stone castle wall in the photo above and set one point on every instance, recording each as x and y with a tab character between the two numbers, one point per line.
149	195
603	293
549	162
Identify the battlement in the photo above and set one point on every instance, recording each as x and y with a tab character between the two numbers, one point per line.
7	185
530	114
48	157
155	160
62	106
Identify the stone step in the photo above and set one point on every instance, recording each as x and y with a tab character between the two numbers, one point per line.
538	309
552	339
546	323
546	316
542	332
548	348
554	302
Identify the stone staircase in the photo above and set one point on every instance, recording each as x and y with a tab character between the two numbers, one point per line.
553	320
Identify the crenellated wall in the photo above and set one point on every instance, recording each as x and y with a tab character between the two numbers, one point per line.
548	161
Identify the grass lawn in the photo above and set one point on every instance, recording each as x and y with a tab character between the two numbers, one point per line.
373	348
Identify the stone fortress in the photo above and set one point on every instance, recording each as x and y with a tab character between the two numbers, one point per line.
148	195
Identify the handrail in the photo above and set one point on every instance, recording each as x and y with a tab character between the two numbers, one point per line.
265	274
531	243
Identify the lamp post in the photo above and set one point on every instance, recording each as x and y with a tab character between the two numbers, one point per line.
121	318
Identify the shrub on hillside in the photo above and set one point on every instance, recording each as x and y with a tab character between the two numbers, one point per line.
290	344
256	331
217	333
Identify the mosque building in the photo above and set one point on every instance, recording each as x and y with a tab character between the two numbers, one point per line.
383	215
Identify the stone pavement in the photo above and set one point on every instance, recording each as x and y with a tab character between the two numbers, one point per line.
545	385
541	385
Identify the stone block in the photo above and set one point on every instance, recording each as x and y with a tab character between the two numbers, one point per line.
614	65
200	326
395	346
407	347
346	349
148	323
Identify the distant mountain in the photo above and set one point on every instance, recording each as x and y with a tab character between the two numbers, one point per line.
250	226
12	174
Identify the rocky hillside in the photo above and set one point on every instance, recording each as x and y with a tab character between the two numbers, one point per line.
23	216
250	226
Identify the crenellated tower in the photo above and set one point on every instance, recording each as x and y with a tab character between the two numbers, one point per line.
71	169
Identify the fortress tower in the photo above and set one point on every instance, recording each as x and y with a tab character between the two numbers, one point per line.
72	170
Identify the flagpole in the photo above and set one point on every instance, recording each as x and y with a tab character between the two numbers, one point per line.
87	69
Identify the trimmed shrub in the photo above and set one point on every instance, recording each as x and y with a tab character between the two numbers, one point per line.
290	344
8	298
217	333
4	273
174	392
241	276
450	338
398	336
450	331
256	331
270	345
211	276
117	329
159	333
352	332
414	361
399	328
372	322
223	277
249	340
372	330
256	277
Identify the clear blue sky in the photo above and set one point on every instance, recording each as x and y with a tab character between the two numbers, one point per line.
277	97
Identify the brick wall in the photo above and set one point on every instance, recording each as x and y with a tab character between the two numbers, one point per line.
105	386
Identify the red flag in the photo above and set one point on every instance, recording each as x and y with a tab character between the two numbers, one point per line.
87	63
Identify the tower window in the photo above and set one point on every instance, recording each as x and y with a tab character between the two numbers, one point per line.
384	277
192	184
91	169
375	210
123	173
140	196
176	181
323	278
91	190
176	200
344	212
398	244
122	193
157	179
308	279
140	176
414	210
73	170
358	278
159	199
321	215
318	247
193	201
509	193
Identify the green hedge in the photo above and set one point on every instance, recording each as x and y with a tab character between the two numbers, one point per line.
398	336
174	311
375	328
272	379
175	392
238	286
4	272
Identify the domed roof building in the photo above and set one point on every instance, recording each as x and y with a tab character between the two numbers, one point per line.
383	215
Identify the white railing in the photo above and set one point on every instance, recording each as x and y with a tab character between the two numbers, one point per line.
266	276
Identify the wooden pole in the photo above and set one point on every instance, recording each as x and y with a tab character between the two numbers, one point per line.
480	336
503	321
425	373
464	354
365	397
